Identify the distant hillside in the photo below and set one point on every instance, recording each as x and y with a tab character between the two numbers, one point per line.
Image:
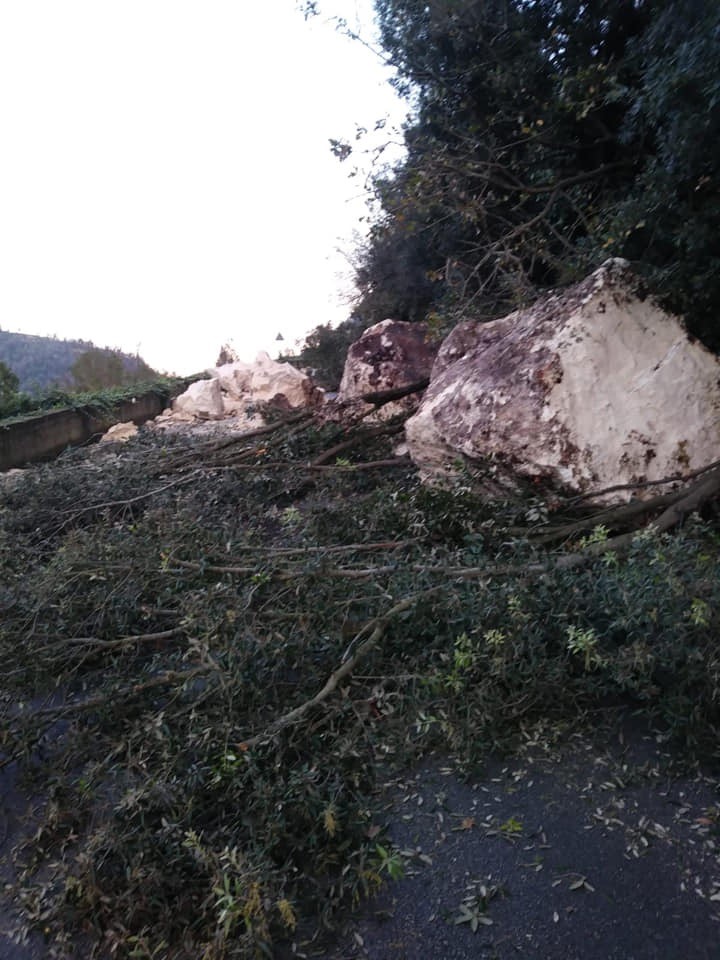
42	362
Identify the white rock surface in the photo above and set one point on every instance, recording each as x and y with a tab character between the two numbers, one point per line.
119	432
237	391
589	388
265	381
202	399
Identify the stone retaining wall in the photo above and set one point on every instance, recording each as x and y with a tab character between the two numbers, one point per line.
45	435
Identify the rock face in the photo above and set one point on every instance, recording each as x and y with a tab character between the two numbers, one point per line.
202	399
388	355
266	381
589	388
237	390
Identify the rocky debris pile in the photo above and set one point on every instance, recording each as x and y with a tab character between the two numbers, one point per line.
389	356
239	390
265	381
589	388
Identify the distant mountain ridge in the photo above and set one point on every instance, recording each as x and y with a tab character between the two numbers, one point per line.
42	362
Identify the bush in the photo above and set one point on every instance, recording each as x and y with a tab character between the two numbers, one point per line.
325	350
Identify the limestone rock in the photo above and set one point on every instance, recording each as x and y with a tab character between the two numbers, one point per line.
591	387
169	417
238	389
388	355
234	378
266	381
119	432
202	399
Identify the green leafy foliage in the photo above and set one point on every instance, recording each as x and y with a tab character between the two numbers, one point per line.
546	136
324	352
9	384
178	600
99	369
21	405
43	363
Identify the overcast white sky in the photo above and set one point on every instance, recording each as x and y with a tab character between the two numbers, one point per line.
166	182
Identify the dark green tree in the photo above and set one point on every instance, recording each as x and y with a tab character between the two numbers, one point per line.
325	349
547	135
669	218
97	369
9	384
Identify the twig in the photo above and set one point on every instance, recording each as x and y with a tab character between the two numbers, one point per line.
380	397
361	435
186	478
126	693
378	626
96	643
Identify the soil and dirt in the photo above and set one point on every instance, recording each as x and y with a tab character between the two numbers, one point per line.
257	681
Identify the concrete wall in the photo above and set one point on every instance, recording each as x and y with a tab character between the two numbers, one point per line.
44	436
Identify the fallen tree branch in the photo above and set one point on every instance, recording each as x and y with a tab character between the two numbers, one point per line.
380	397
288	421
390	462
205	450
88	644
378	627
345	548
688	501
623	513
186	478
693	498
401	461
615	516
387	430
125	693
292	573
642	484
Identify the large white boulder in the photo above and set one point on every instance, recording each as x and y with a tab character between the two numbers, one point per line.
588	388
234	378
202	399
266	381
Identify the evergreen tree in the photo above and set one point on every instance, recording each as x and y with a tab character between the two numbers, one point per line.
547	135
97	369
9	384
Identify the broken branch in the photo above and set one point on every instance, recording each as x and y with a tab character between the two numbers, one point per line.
378	626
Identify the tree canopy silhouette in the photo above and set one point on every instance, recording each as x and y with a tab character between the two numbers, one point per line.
546	136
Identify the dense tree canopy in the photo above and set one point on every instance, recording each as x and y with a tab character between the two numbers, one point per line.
545	136
96	369
45	362
9	383
325	349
